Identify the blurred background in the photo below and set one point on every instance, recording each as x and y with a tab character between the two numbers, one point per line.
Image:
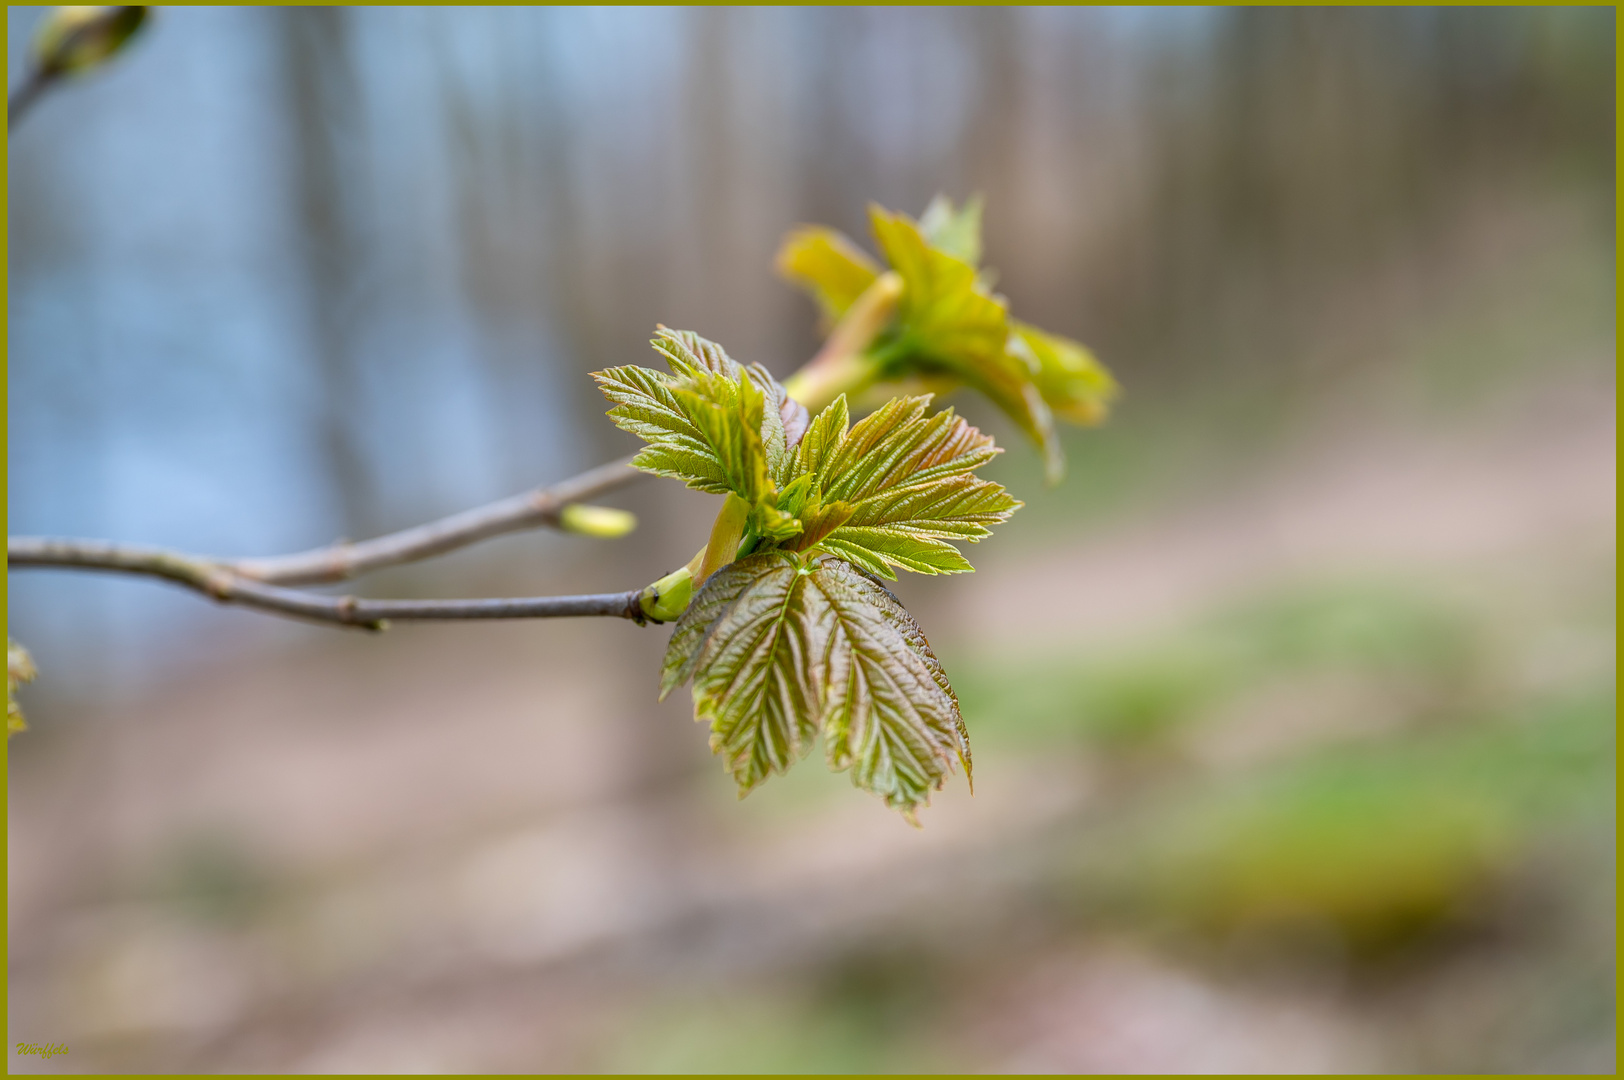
1292	707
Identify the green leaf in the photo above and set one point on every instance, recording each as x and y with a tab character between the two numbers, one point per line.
942	308
914	636
781	645
823	436
950	329
909	481
956	232
828	265
778	410
1076	386
819	519
729	416
712	423
882	718
747	640
19	669
647	406
947	318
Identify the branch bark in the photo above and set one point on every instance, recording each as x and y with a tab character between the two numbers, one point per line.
226	585
338	562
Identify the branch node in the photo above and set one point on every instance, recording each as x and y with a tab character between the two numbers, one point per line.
546	505
217	583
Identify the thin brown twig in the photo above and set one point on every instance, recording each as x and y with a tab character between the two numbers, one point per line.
224	584
337	562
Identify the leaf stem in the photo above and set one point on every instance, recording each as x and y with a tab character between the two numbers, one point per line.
842	366
724	538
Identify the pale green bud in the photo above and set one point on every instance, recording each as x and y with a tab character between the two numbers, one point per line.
602	521
667	599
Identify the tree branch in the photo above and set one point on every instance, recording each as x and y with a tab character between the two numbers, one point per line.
225	585
542	506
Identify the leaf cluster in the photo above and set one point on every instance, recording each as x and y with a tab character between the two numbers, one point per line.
949	328
895	489
795	636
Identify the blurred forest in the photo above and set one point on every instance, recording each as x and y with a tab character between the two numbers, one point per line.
1293	706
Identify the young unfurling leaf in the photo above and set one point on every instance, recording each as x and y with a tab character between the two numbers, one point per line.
944	312
910	482
712	423
956	232
784	645
949	329
1075	384
829	266
950	320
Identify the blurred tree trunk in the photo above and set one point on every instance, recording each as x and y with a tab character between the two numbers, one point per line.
704	281
327	147
581	307
992	146
833	172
